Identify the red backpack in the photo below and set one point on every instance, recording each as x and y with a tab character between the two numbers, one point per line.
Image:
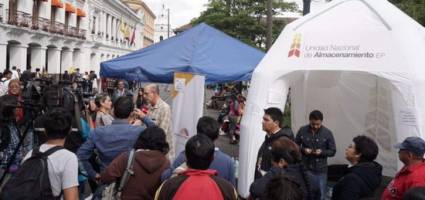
199	185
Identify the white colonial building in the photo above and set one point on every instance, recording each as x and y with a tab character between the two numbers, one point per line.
56	35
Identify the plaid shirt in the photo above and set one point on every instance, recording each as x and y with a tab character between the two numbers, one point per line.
7	153
161	115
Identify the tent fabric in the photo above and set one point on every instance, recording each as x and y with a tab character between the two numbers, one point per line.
201	50
361	62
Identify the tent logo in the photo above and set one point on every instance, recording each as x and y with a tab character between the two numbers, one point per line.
295	46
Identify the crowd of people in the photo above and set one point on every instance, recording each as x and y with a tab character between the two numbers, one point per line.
231	111
126	152
303	160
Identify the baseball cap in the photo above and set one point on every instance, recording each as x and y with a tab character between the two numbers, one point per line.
413	144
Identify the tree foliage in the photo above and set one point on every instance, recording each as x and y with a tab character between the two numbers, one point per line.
244	19
414	8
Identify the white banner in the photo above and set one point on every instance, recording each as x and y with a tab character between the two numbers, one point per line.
188	100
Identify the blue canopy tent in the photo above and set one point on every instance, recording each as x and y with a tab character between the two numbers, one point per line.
201	50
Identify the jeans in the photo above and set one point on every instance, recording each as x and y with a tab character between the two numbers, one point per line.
321	179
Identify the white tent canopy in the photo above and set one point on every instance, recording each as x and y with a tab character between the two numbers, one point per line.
361	62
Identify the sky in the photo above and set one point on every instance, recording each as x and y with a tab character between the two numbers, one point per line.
183	11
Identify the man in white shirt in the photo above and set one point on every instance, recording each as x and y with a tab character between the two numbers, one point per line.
7	76
15	74
62	165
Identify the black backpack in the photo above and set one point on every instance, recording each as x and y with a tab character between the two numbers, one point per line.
31	181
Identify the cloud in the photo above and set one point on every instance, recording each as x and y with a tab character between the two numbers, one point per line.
181	11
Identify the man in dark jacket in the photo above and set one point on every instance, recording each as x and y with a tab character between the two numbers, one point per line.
272	120
365	174
317	144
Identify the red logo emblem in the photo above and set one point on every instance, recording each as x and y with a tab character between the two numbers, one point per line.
295	46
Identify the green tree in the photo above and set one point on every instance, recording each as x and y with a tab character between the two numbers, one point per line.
244	19
414	8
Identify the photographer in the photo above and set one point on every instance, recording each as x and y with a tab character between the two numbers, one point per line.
10	136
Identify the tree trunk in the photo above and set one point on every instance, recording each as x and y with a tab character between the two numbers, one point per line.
269	29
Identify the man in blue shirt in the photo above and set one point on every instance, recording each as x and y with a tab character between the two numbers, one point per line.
222	162
110	141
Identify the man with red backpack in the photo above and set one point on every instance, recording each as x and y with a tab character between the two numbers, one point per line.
197	182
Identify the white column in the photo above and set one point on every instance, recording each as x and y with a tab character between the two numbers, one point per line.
79	60
96	66
25	6
5	6
99	22
104	26
107	26
45	10
102	22
18	56
3	54
138	40
72	20
38	58
94	61
117	28
60	15
67	62
84	60
113	27
53	60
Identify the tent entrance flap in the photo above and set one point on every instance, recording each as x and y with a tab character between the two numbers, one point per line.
353	103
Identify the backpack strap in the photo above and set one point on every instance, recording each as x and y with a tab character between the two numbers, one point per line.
128	171
52	150
36	151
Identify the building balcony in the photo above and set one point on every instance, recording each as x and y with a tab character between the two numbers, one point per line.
71	31
23	19
57	27
44	24
82	34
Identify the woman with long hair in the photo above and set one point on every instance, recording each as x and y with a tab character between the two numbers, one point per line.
103	116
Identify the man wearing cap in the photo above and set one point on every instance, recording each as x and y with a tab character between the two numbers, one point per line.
412	174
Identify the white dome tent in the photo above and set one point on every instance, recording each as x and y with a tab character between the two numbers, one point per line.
361	62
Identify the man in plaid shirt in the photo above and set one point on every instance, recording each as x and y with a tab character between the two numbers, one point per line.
160	113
